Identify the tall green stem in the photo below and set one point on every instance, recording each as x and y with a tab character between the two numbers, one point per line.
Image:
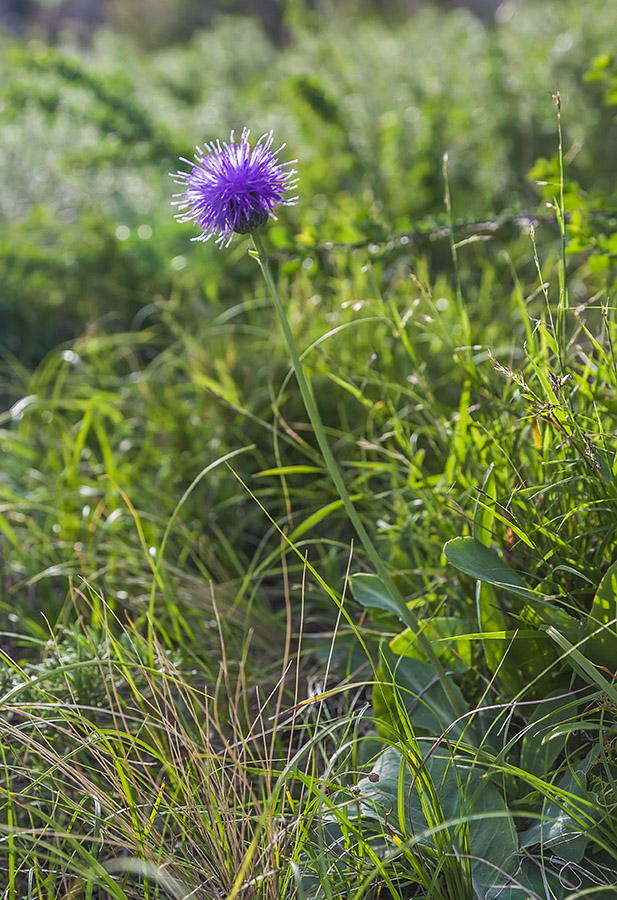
562	309
404	612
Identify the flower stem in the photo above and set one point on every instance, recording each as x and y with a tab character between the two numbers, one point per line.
404	612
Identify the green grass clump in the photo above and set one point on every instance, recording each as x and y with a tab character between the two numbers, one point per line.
207	690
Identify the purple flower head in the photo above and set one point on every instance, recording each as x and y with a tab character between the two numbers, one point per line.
234	187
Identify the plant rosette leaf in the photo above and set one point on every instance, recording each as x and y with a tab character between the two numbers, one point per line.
600	627
370	592
442	631
526	656
563	830
408	688
445	801
483	563
541	746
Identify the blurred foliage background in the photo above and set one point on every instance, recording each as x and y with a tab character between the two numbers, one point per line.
157	22
369	106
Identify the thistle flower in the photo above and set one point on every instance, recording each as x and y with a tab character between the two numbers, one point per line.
234	187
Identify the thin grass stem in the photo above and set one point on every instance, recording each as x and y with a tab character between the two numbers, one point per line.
404	612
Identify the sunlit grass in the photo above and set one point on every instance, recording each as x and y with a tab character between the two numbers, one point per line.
205	689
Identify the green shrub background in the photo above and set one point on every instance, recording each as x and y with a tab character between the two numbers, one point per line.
89	137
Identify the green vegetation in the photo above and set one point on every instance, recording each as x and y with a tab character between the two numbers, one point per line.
207	687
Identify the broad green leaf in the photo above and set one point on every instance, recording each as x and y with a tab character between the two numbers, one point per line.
601	645
492	628
529	665
380	792
445	788
419	695
534	878
450	778
540	746
493	843
459	446
473	558
525	659
560	830
541	612
581	665
484	512
369	591
443	632
604	464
